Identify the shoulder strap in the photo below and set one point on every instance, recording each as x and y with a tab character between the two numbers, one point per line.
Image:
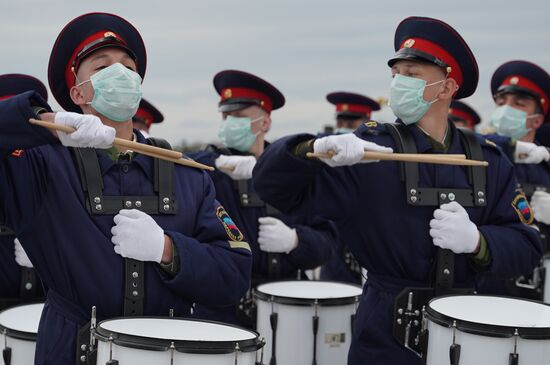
476	174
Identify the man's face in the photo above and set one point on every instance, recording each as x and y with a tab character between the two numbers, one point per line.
97	61
253	112
349	123
424	71
524	103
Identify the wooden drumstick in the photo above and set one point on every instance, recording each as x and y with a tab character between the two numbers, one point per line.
144	149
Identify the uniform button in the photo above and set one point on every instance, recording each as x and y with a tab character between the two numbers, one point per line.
125	168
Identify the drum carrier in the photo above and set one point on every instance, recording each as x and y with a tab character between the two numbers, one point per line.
411	302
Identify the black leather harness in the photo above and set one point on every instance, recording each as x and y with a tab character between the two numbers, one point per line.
409	303
163	202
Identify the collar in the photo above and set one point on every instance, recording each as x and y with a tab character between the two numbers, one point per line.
109	159
425	142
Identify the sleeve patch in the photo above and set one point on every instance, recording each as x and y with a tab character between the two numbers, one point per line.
17	153
522	208
230	227
241	244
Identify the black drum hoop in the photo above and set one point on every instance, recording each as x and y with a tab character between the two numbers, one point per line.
20	335
184	346
326	302
488	330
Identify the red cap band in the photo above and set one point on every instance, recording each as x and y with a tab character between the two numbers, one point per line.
242	93
520	81
438	52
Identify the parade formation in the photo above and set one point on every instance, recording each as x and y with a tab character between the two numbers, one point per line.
420	241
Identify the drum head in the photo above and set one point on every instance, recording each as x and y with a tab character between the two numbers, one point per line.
491	312
325	292
177	329
188	335
21	320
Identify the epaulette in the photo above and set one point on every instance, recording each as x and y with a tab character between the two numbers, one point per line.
370	127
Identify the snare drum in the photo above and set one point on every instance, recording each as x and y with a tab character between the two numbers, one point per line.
306	321
154	340
18	331
487	330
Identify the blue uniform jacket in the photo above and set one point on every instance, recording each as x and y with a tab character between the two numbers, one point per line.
389	237
42	200
316	236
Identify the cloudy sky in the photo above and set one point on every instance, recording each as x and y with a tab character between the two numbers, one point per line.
306	48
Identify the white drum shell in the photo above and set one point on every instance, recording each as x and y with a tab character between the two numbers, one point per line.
26	318
294	342
476	349
133	350
487	314
135	356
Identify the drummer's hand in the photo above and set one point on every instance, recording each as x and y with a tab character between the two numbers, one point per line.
237	167
137	236
540	203
90	131
21	256
452	229
349	149
530	153
275	236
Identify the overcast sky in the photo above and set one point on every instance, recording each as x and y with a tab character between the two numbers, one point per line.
305	48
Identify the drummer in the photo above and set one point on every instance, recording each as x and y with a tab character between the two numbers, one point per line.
521	91
18	280
282	246
107	227
145	117
400	223
352	110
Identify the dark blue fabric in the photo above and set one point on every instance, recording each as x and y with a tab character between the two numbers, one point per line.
389	237
42	200
317	237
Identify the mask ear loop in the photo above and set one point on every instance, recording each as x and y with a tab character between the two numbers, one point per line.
80	84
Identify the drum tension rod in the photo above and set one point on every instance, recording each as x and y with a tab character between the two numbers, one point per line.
514	357
315	331
237	349
6	353
273	318
111	361
261	362
454	350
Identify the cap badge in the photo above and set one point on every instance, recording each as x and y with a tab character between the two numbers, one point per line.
227	93
109	34
514	80
409	43
345	107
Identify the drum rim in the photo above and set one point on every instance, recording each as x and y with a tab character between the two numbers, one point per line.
326	302
183	346
483	329
18	334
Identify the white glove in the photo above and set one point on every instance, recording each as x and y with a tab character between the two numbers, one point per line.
348	147
451	228
137	236
540	203
90	132
21	256
237	167
275	236
527	152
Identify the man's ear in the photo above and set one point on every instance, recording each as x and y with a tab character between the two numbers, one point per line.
450	87
266	123
77	96
537	121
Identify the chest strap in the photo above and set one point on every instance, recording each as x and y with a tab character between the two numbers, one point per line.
417	196
163	202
